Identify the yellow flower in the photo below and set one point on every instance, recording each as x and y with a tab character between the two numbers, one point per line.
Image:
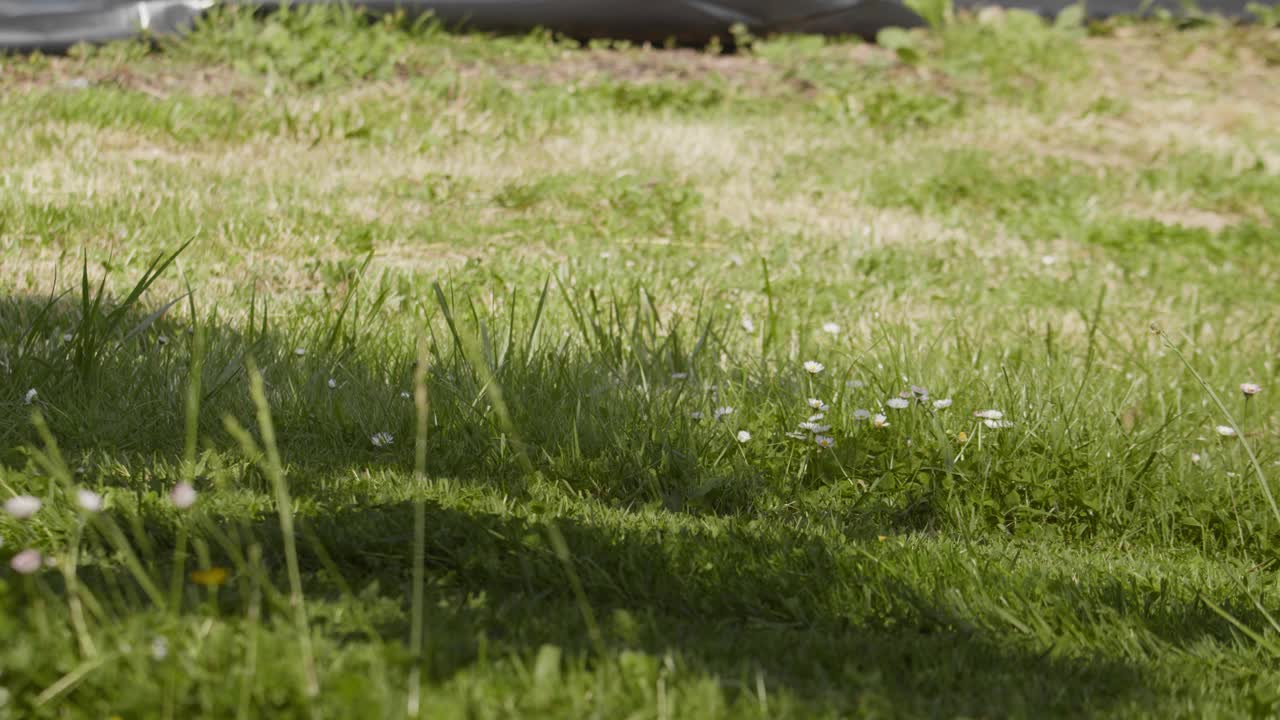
962	437
210	577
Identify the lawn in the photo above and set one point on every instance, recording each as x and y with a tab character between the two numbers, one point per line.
375	371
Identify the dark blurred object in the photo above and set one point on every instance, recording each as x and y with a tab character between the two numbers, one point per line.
657	21
55	25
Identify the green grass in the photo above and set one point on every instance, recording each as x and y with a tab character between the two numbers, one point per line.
583	253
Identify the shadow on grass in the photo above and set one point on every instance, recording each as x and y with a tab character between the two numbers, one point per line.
742	601
824	622
833	629
603	416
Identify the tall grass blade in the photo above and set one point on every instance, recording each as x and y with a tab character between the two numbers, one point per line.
269	461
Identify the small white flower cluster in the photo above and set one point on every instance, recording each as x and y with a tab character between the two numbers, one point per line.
815	429
993	419
1248	390
27	561
382	439
719	414
88	500
878	420
183	496
24	507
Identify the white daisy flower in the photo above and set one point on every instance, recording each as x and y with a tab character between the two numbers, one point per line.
1250	389
333	384
382	439
159	649
404	395
67	337
696	414
1196	458
30	397
679	376
88	500
1226	431
831	328
998	424
183	496
824	441
26	562
880	421
989	414
721	412
814	428
861	414
23	507
816	417
919	391
898	403
942	404
818	405
299	351
813	367
748	324
743	436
